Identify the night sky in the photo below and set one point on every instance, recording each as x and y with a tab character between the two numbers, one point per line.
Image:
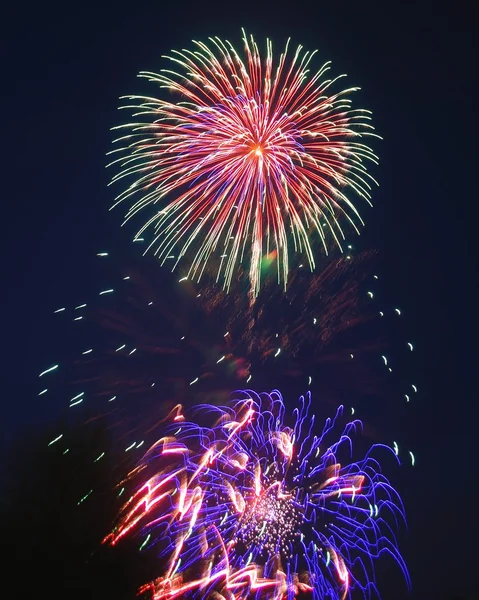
64	68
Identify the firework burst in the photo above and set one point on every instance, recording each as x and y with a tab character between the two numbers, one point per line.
256	503
252	162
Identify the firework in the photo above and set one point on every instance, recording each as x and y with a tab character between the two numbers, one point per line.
256	503
250	161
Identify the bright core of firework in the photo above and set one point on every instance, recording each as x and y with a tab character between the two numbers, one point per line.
255	155
271	523
250	506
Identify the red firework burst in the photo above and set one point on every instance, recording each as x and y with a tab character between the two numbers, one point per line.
254	158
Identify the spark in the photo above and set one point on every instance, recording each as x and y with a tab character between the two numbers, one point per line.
49	370
145	542
56	439
84	498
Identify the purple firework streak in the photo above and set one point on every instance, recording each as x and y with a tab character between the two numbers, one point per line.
247	501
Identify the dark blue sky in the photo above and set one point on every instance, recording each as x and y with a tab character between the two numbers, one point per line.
65	67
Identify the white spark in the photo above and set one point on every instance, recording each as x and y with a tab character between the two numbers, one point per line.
48	370
56	439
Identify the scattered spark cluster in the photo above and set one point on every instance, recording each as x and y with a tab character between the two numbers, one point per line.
252	162
247	499
126	337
